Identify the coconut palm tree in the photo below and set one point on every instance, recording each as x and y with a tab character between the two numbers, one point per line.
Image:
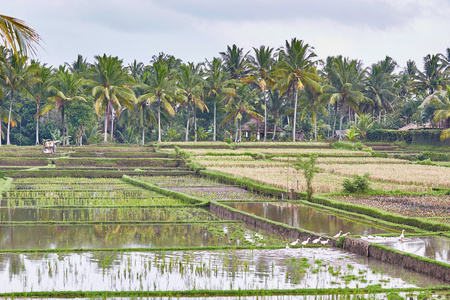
345	88
65	88
443	113
79	66
278	106
137	70
312	102
15	75
218	85
239	107
4	113
144	115
190	84
157	87
19	37
297	69
40	90
235	62
262	66
433	77
111	88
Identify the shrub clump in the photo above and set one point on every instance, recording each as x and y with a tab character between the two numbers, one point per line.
359	184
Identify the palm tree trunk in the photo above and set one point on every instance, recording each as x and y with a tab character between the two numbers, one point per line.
274	128
63	131
195	125
187	123
315	129
105	140
265	116
37	123
159	119
214	137
112	125
1	121
237	131
143	135
295	115
67	130
9	119
334	124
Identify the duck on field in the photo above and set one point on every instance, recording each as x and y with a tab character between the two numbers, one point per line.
295	242
316	240
324	242
287	246
402	236
305	242
345	234
337	235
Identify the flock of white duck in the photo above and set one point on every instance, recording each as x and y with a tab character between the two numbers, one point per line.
325	242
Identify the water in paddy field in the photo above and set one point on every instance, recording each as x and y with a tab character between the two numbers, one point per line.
128	236
23	214
433	247
309	218
209	270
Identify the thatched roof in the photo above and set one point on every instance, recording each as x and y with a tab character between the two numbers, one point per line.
412	126
431	97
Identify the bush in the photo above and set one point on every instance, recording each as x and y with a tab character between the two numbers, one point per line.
347	145
434	156
359	184
259	156
228	141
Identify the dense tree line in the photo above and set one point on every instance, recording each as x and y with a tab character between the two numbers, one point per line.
167	99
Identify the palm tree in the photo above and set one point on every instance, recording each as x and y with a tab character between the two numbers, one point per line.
66	87
17	36
277	105
137	70
4	113
346	78
312	102
157	87
235	62
443	113
297	67
79	66
379	86
433	77
111	88
145	115
191	92
261	75
238	107
15	75
218	85
364	123
40	91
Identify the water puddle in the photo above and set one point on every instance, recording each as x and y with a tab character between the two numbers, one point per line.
316	220
209	270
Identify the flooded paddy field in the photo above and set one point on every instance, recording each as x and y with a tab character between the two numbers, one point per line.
209	270
122	214
131	236
433	247
310	218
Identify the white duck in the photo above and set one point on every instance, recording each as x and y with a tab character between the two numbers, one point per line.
338	235
305	242
316	240
324	242
295	242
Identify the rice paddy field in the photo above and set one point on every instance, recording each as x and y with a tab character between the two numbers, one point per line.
153	234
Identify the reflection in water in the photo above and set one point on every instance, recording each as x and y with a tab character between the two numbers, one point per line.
433	247
309	218
123	236
209	270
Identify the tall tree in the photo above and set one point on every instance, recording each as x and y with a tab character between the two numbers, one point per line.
79	66
277	105
312	102
345	88
158	87
65	88
433	77
235	62
110	88
15	75
190	84
40	91
218	86
4	113
19	37
297	69
261	75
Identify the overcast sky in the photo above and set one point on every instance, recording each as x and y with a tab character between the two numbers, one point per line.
195	30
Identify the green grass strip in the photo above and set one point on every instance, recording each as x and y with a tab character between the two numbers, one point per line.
190	199
102	206
383	215
339	292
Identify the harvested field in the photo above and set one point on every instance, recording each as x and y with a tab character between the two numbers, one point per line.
424	206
